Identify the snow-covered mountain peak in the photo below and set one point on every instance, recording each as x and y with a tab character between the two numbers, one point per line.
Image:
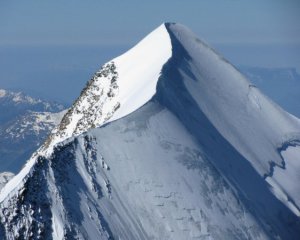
120	87
192	151
23	102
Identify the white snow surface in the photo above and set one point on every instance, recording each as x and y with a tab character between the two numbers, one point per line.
195	162
139	70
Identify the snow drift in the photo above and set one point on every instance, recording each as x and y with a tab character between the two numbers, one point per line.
168	141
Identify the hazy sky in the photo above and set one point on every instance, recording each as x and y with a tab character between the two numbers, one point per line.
50	43
124	22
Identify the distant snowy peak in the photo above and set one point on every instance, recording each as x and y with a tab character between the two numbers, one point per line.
31	124
23	100
24	126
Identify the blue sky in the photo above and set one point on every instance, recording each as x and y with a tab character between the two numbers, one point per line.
46	43
123	22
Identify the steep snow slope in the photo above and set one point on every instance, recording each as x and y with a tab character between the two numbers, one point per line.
124	84
140	177
204	156
255	126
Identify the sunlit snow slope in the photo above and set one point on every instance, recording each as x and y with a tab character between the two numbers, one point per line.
183	147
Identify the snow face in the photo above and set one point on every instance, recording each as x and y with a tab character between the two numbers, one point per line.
241	111
144	177
152	192
139	70
238	110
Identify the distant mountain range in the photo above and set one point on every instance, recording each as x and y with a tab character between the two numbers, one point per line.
25	122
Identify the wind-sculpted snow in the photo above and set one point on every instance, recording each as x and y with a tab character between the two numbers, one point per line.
184	148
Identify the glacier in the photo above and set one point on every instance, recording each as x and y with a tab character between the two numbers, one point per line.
167	141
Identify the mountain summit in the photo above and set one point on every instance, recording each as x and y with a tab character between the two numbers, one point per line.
167	141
